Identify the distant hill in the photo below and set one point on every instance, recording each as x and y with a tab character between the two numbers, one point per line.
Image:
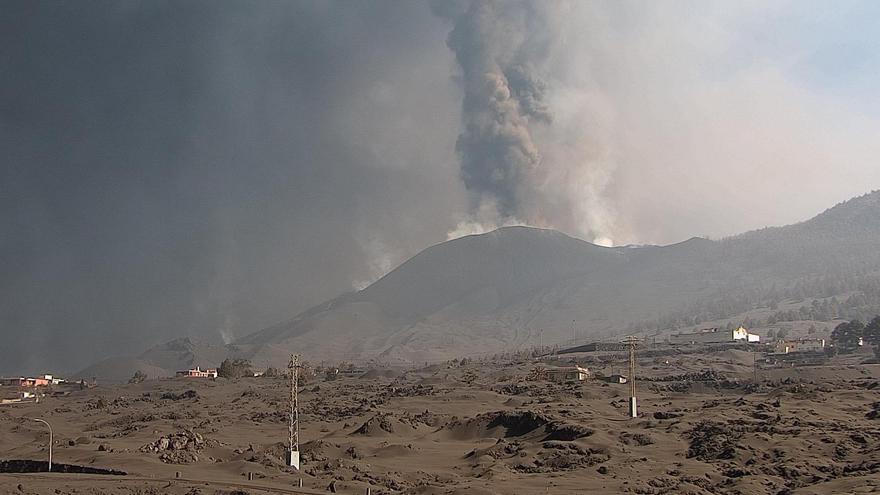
158	362
517	287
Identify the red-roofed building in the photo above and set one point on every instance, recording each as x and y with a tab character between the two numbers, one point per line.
26	382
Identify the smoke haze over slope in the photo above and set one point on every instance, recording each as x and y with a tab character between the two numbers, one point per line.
515	288
209	168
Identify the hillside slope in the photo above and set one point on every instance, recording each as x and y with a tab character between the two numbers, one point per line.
518	287
158	362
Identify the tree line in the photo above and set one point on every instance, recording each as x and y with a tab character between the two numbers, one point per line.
855	296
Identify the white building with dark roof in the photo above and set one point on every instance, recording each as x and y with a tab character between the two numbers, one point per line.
715	336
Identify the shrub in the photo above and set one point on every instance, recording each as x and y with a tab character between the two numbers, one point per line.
234	368
138	377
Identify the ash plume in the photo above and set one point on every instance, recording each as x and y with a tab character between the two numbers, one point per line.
525	154
495	48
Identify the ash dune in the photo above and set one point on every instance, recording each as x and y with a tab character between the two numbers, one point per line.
490	427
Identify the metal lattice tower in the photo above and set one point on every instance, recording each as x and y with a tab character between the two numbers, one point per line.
293	419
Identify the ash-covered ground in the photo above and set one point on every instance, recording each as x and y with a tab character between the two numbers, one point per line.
705	427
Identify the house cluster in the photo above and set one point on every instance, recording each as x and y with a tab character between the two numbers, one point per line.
198	372
715	336
31	381
720	336
573	373
19	389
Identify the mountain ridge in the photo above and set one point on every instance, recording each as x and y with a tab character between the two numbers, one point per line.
517	286
760	255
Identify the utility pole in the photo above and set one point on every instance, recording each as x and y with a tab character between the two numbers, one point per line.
50	439
755	365
631	342
293	418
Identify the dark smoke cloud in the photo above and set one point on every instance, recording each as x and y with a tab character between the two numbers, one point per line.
207	168
496	45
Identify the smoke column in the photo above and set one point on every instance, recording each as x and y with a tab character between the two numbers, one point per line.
521	162
503	96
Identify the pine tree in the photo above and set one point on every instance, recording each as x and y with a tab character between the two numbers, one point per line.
872	332
847	335
138	377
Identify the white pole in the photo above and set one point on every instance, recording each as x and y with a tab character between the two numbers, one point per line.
50	439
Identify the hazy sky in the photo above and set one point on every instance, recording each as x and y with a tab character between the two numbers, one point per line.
208	168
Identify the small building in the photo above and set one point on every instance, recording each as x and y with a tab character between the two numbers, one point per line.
23	382
616	379
564	374
198	373
800	345
54	380
11	397
715	336
351	371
